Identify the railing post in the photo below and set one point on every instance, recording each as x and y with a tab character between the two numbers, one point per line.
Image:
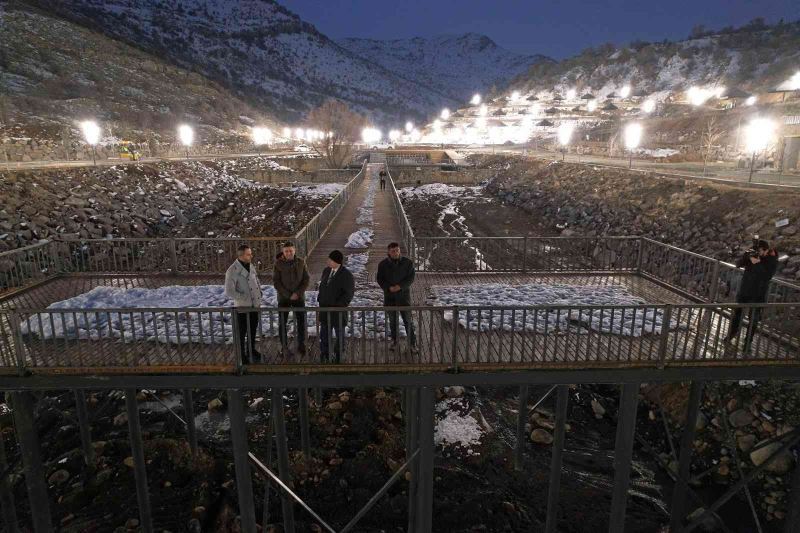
623	452
237	342
554	489
713	289
16	331
678	507
525	255
139	465
244	482
173	250
639	256
84	428
455	336
31	453
664	336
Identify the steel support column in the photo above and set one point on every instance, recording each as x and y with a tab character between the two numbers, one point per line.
9	508
244	482
32	460
522	418
426	447
83	427
283	458
562	402
412	443
678	508
305	439
792	524
139	468
188	412
626	427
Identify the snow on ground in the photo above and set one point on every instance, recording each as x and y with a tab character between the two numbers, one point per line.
657	152
440	189
212	327
357	264
630	321
360	239
327	190
456	428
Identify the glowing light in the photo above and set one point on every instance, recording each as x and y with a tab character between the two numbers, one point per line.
649	106
287	132
483	111
261	136
571	94
697	96
91	132
625	91
565	130
437	124
186	134
409	126
759	134
751	100
371	135
719	91
515	96
480	122
591	105
633	135
445	114
298	133
476	99
394	135
794	82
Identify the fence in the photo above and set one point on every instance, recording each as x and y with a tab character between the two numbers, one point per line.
406	232
26	266
469	337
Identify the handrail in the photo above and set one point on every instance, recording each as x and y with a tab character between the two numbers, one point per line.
406	229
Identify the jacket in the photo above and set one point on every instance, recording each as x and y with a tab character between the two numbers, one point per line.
289	277
756	277
396	272
242	286
336	292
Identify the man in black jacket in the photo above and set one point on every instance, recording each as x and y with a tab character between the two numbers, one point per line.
336	289
759	267
395	276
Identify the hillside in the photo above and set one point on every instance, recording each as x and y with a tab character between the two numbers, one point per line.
257	47
454	65
755	58
45	89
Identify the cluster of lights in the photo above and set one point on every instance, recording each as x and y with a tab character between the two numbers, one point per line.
698	96
261	136
371	135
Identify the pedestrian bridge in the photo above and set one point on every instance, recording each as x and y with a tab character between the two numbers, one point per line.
670	308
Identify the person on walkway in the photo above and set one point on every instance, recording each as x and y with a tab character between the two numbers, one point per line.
290	279
241	285
759	266
336	289
395	276
382	174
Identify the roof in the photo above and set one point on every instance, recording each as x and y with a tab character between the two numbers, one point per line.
610	107
544	122
587	96
612	95
558	97
551	111
532	98
734	92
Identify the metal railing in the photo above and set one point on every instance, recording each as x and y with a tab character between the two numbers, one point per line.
406	231
446	337
26	266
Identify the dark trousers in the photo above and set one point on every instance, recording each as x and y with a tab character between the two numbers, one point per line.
299	320
383	185
394	324
247	329
754	315
332	323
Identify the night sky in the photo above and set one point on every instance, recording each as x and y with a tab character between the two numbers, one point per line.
557	28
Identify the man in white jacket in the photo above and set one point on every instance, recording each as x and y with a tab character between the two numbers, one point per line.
241	285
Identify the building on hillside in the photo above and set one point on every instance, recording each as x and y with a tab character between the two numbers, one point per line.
733	97
789	144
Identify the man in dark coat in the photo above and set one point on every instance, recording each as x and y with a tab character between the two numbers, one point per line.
382	174
395	276
336	289
759	267
290	279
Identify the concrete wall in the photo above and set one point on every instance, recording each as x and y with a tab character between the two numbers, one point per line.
286	176
424	175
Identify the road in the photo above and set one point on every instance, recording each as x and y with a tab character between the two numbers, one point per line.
34	165
714	171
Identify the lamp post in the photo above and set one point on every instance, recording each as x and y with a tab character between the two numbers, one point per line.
758	135
91	133
186	135
261	136
564	135
633	135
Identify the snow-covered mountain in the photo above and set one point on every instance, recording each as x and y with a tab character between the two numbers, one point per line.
753	58
454	65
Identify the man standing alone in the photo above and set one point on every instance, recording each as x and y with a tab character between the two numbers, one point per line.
759	266
395	276
336	289
290	279
241	285
382	175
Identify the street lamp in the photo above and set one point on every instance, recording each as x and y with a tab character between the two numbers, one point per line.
648	106
394	135
591	105
565	130
476	99
186	135
633	135
445	114
625	91
409	126
91	133
515	96
758	135
261	136
751	100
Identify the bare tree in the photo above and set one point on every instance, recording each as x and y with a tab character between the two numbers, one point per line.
710	137
341	128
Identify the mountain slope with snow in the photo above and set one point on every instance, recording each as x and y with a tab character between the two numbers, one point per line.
454	65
